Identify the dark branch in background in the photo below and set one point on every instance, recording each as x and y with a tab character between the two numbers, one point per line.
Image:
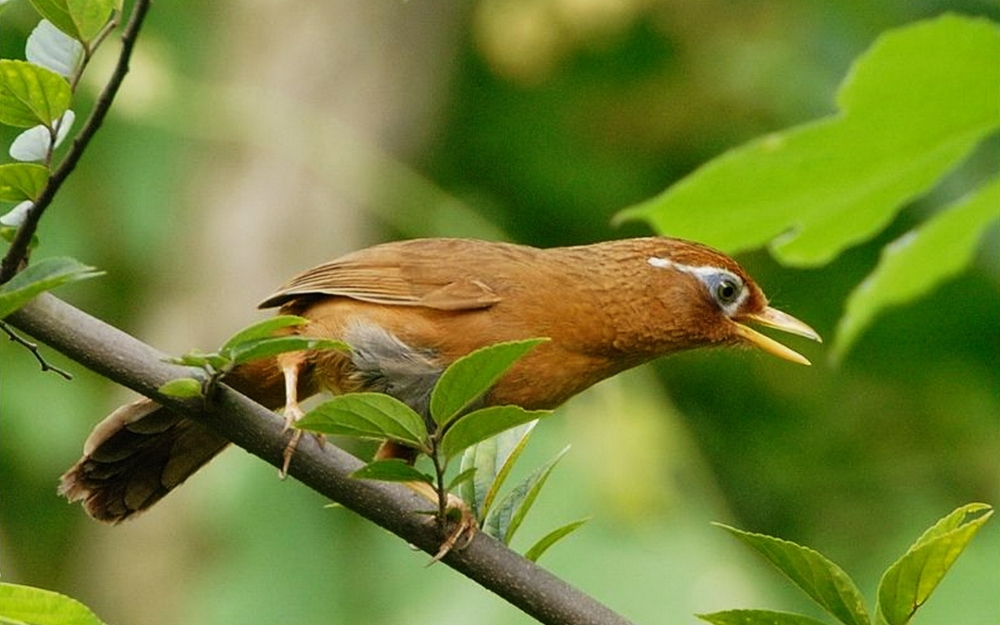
19	247
128	361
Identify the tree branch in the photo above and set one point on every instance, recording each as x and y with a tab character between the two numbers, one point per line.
326	469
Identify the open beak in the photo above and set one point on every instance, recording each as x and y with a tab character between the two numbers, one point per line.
778	320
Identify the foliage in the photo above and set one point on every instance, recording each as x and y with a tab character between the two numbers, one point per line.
490	463
490	440
36	94
918	261
25	604
901	276
907	118
905	586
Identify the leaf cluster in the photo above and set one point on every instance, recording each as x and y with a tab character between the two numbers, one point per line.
445	434
490	463
489	439
904	587
37	94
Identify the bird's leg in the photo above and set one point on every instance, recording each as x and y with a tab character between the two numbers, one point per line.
290	364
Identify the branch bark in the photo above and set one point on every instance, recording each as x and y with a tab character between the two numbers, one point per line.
326	469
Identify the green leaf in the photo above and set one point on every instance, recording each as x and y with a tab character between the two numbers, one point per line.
757	617
908	583
463	477
263	348
503	522
825	582
90	16
492	461
469	377
31	94
478	426
262	330
80	19
543	543
204	360
182	387
368	415
919	261
57	12
912	107
391	470
25	604
22	181
39	277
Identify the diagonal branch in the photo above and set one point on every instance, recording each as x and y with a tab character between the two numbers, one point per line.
128	361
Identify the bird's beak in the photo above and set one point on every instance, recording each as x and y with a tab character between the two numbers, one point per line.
778	320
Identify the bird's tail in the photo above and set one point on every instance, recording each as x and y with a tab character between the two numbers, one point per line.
142	451
134	457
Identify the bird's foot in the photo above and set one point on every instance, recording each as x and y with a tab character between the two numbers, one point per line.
460	524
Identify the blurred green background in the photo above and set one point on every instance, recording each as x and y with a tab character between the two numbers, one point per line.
255	139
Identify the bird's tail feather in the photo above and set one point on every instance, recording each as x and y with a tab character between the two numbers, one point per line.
134	457
142	451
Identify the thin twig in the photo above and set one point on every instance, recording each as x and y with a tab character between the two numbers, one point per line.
19	246
33	348
91	47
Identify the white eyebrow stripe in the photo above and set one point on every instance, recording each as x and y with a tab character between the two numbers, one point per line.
699	271
704	273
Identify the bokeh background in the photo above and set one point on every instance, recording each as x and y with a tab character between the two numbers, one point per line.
254	139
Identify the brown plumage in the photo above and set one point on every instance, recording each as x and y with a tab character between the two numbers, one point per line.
410	308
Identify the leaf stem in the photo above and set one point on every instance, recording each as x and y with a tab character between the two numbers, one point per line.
439	485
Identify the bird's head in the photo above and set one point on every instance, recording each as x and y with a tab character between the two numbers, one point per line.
721	300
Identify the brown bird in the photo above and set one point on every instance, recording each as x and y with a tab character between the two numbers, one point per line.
409	309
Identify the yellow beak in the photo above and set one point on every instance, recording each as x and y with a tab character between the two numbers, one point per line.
778	320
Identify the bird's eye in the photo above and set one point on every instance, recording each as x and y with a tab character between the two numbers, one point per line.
727	291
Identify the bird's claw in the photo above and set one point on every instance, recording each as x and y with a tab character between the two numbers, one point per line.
292	414
286	456
464	530
293	442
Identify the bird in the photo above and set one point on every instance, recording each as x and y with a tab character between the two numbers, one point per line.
409	308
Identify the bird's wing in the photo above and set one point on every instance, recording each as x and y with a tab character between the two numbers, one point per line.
413	273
